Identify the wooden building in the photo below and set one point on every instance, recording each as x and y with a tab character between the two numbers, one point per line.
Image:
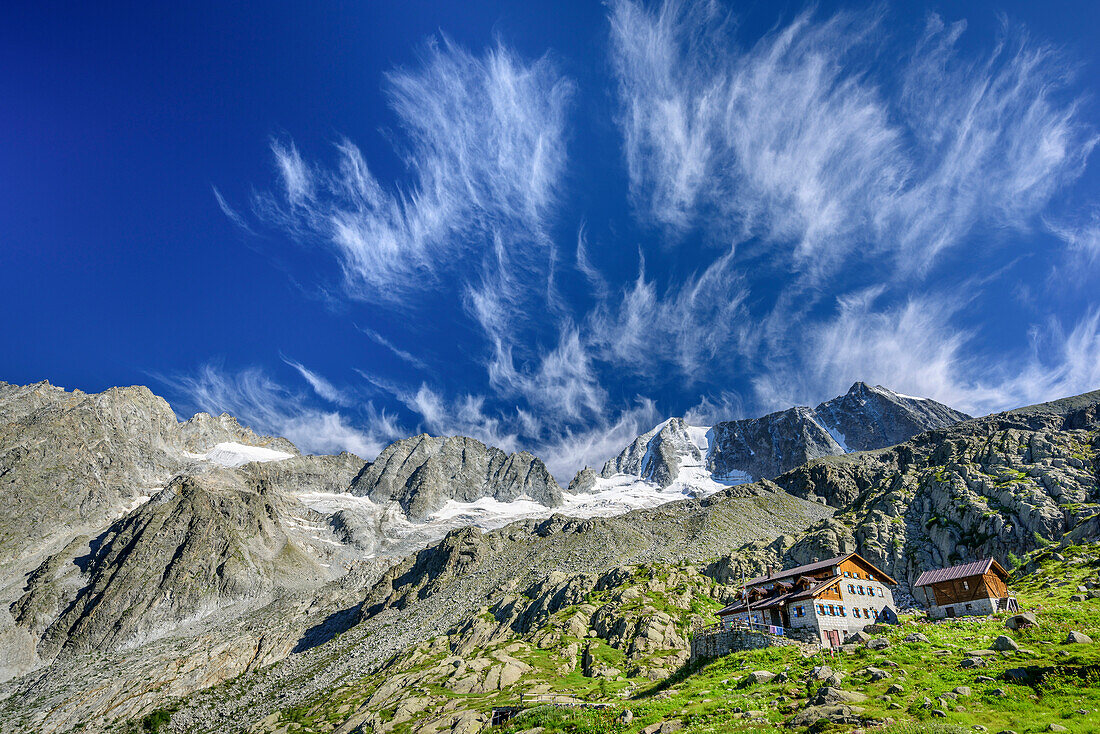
967	589
822	602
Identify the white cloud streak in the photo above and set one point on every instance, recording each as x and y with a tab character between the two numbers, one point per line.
268	407
914	348
403	354
321	386
791	141
485	144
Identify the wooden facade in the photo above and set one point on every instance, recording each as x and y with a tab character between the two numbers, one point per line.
970	588
977	587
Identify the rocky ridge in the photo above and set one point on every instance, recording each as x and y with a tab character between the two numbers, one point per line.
424	472
864	418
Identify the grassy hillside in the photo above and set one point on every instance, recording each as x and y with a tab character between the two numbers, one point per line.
1061	687
910	686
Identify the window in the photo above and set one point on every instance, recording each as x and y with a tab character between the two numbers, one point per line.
820	608
866	613
799	611
861	590
843	611
855	612
969	608
852	588
832	611
966	586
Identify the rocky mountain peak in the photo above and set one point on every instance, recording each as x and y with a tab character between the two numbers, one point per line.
869	417
659	454
866	417
423	472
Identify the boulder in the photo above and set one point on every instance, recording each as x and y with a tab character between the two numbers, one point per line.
860	637
972	662
1004	643
821	672
917	637
1077	638
879	643
1021	621
876	674
828	696
961	690
839	714
760	676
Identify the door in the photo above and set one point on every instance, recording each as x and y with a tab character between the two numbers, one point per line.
950	611
834	638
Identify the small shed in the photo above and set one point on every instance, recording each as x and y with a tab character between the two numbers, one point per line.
975	588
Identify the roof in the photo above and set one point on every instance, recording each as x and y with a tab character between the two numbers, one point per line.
819	565
965	570
782	599
798	570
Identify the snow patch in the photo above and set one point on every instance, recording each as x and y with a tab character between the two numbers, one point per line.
232	454
910	397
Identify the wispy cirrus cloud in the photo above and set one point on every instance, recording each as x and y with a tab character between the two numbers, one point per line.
794	141
403	354
266	405
322	386
818	176
688	326
485	143
915	348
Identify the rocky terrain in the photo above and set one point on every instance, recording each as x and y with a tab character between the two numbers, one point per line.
227	602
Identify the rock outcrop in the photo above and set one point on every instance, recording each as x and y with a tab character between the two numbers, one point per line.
424	472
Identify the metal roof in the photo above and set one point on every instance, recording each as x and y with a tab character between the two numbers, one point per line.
974	568
798	570
811	567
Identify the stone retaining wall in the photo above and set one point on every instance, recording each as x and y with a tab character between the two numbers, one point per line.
712	644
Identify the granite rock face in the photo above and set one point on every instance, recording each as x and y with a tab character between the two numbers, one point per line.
869	418
423	472
71	462
658	454
763	448
203	543
766	447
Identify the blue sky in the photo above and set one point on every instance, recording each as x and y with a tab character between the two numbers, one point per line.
548	225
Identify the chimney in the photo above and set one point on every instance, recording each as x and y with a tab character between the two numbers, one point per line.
771	570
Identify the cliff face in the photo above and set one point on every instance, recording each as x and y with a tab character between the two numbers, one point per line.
424	472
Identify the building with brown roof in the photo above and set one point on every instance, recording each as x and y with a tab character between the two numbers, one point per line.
824	601
967	589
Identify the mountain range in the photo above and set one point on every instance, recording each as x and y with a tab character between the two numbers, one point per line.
147	561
